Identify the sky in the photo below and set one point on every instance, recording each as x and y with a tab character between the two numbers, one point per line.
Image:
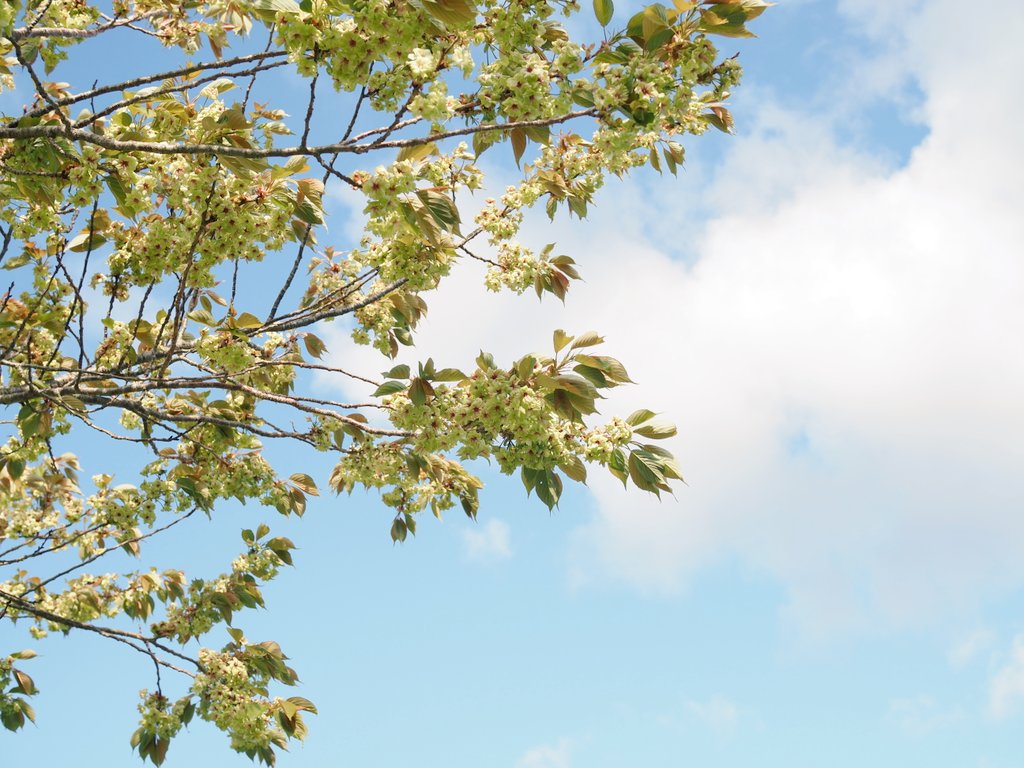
828	305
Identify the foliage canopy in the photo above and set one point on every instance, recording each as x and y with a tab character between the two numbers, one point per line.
132	211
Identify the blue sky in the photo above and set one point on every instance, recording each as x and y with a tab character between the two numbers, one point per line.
828	305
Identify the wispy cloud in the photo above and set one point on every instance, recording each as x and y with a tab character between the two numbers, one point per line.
920	715
971	647
1006	688
718	712
548	756
488	542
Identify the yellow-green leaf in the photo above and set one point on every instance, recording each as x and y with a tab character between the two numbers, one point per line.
417	151
603	10
518	137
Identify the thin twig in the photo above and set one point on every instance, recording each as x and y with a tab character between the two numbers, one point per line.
350	146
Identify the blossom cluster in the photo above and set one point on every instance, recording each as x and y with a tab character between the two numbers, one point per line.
159	715
232	699
496	413
517	268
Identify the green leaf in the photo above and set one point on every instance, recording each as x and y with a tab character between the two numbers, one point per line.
453	13
565	265
399	530
574	469
30	423
449	374
470	505
676	151
282	547
72	403
194	491
85	241
159	751
29	51
292	166
609	366
403	335
666	461
314	346
280	544
305	483
420	391
576	385
398	372
18	261
577	205
529	478
12	719
518	137
645	472
603	10
524	368
723	22
655	430
277	6
484	140
548	486
639	417
25	684
289	709
389	388
303	705
594	376
27	710
720	118
538	133
738	11
202	316
308	211
416	152
617	465
15	468
655	159
659	39
560	339
485	361
442	208
670	161
247	321
582	98
588	339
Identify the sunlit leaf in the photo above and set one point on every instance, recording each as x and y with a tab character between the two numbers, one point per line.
603	10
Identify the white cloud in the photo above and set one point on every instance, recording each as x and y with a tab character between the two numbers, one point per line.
842	366
1006	688
921	715
548	756
487	542
718	713
971	648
